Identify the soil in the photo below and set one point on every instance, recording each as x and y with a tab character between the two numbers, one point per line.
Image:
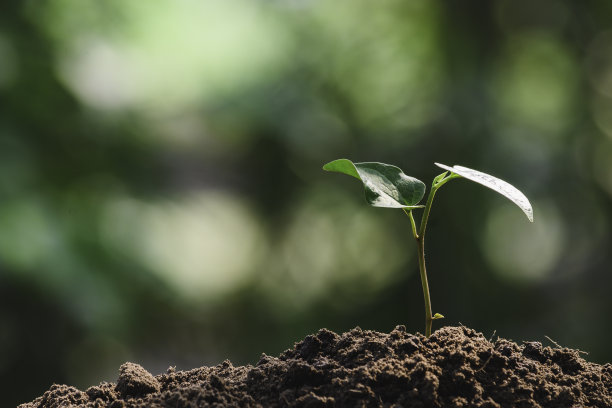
455	367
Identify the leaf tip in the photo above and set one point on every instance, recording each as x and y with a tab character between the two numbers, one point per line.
443	166
328	166
528	210
344	166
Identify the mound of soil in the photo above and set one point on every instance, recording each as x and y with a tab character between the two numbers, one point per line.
455	367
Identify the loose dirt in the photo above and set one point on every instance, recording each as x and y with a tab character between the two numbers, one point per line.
455	367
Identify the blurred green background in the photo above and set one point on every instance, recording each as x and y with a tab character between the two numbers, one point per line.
162	199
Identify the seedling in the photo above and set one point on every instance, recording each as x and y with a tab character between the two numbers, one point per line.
387	186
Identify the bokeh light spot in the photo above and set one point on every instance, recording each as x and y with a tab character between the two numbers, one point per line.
203	245
168	57
522	251
380	67
29	236
536	83
333	241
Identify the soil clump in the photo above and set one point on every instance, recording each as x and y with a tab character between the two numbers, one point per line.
455	367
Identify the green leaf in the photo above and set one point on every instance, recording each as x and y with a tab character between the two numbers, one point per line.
504	188
385	185
437	316
439	178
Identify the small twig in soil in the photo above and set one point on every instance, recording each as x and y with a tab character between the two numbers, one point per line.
560	346
553	342
486	362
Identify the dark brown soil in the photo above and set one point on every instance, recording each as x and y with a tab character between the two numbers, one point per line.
455	367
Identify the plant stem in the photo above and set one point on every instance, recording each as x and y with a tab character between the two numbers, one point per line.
430	198
425	284
420	239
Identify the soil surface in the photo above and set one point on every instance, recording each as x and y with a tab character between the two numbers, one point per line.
455	367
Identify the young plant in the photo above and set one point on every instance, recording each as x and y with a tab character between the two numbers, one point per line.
387	186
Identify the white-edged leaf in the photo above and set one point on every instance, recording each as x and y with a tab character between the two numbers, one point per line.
502	187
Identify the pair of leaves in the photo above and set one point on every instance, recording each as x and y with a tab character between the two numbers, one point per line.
387	186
